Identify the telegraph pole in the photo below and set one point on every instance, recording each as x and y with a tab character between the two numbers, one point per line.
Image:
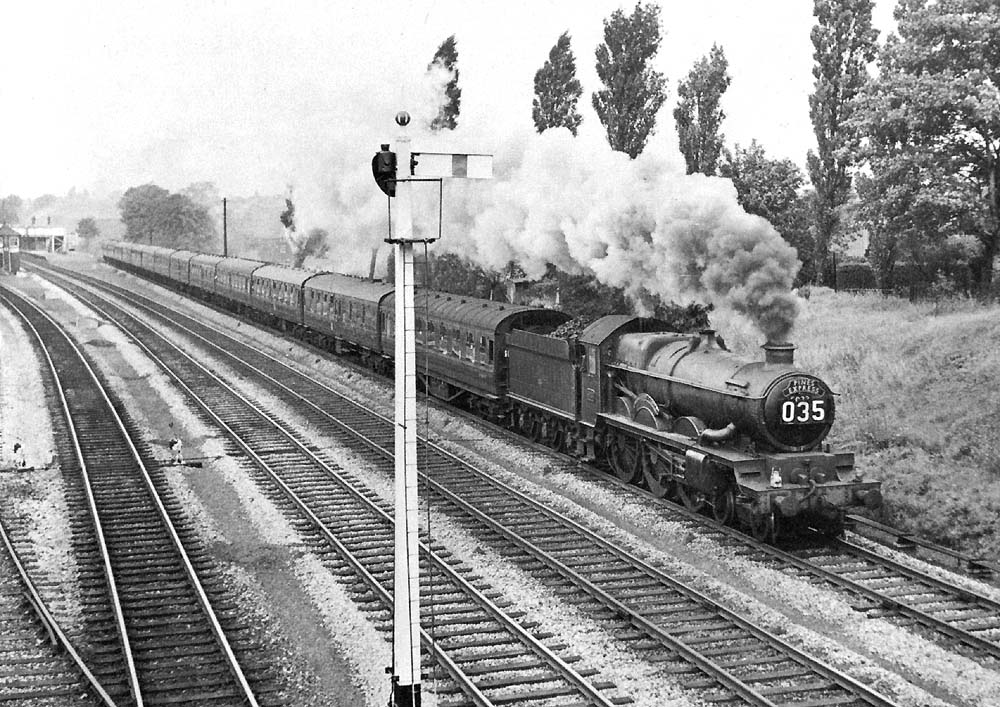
225	231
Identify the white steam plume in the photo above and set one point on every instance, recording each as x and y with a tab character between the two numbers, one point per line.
573	202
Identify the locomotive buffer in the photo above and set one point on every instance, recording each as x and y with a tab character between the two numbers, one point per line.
406	588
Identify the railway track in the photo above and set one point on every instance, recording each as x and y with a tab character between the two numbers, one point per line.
706	647
154	633
470	628
881	587
38	664
976	567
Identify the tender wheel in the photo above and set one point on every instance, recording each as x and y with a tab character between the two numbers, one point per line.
693	500
530	426
724	506
555	436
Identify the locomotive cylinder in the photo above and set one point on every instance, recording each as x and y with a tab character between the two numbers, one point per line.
775	404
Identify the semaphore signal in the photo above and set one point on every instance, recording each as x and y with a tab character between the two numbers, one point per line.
426	166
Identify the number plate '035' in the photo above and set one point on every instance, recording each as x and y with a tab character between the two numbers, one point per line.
803	412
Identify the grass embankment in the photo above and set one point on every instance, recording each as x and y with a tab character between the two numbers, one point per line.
919	404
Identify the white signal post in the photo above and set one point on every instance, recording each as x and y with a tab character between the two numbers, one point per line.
406	573
406	577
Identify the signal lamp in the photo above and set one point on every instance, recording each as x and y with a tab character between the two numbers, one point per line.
384	170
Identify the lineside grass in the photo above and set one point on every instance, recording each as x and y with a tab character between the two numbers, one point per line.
919	404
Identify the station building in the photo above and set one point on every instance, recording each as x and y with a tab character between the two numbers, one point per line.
45	239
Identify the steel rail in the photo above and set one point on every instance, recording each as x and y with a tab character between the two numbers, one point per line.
49	621
903	541
568	672
202	597
978	567
725	678
109	576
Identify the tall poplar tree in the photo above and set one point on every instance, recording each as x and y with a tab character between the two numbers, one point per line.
844	43
699	114
446	57
633	92
557	90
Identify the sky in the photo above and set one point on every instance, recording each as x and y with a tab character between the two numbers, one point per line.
255	95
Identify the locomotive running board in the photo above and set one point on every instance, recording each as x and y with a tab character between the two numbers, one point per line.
740	463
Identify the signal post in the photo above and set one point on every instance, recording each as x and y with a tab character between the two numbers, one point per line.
405	668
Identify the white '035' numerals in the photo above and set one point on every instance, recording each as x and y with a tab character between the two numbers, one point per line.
803	411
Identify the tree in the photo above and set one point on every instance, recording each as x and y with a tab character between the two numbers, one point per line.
557	90
773	189
446	58
185	224
10	209
698	113
633	92
932	122
287	216
844	44
139	207
154	215
453	273
87	229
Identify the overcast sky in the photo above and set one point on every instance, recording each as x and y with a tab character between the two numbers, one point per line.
254	95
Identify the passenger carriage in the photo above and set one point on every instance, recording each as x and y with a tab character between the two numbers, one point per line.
179	267
202	279
349	313
276	293
233	282
462	344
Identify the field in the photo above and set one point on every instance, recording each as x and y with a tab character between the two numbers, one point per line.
919	404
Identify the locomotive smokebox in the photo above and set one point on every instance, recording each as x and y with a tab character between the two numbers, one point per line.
779	353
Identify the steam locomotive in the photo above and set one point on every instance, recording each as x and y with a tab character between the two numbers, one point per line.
677	414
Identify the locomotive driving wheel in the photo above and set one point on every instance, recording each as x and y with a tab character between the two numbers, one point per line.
624	456
656	477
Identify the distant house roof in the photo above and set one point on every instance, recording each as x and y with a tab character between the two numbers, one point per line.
6	230
40	231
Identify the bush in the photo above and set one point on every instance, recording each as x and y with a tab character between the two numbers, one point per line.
856	276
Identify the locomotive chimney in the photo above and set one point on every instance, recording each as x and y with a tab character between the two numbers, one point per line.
707	342
779	353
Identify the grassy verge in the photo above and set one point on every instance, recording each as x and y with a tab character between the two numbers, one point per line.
919	404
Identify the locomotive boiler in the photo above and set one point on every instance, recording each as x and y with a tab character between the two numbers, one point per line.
723	396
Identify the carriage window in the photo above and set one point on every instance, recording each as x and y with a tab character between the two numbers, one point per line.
591	363
470	347
482	349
